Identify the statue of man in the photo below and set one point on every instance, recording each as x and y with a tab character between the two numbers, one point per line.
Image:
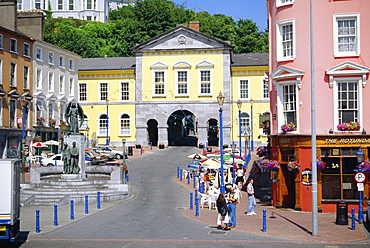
74	158
66	157
74	116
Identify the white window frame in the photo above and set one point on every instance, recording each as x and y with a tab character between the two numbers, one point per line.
155	84
280	100
79	92
186	84
15	49
50	111
13	78
38	78
279	40
19	5
245	121
26	77
265	88
103	98
39	53
71	4
240	88
340	17
51	82
62	84
124	131
280	3
51	58
60	4
71	65
71	86
62	61
210	81
26	49
122	91
12	111
335	97
1	42
102	129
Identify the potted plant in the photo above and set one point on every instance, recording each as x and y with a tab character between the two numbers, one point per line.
350	126
52	122
40	120
319	163
293	166
288	127
161	146
138	146
62	123
269	164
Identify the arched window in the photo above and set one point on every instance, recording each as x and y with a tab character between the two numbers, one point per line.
103	125
125	124
245	120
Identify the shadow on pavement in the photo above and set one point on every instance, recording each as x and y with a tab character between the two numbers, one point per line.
21	239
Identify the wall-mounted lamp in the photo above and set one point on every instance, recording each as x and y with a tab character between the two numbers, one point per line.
331	131
363	131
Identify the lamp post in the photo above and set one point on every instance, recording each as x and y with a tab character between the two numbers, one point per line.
239	103
360	158
233	150
107	138
221	99
252	143
247	147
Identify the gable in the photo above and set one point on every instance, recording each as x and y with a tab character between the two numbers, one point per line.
347	68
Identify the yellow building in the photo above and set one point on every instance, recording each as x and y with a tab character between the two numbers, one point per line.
170	91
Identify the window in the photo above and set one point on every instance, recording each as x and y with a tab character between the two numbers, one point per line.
182	82
71	65
38	53
346	35
89	18
39	108
26	49
205	82
244	121
125	91
103	91
82	92
266	88
61	61
60	4
285	40
159	83
13	45
26	76
1	42
19	5
289	103
103	125
71	5
51	58
62	108
13	68
244	89
280	3
88	4
71	86
39	4
12	110
61	84
347	101
39	78
125	124
51	82
51	110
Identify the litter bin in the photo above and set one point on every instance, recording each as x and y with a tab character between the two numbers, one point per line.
209	149
130	151
342	213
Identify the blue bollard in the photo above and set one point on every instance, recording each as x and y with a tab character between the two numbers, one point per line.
196	204
178	171
141	151
38	220
353	220
180	174
191	201
29	165
40	162
194	181
86	204
264	221
151	146
72	209
127	178
55	214
98	200
189	177
202	187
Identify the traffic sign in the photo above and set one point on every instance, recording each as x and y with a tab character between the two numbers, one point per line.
360	177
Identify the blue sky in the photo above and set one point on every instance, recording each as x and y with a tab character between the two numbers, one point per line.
244	9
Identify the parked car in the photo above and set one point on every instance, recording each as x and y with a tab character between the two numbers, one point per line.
109	155
117	163
117	153
91	157
235	153
101	158
58	159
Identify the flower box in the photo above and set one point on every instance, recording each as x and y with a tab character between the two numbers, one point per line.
138	146
319	163
350	126
161	146
293	166
52	122
40	120
269	164
288	127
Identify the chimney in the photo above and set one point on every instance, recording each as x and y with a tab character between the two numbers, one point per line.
8	12
194	25
31	23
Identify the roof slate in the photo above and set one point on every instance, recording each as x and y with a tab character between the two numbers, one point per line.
112	63
251	59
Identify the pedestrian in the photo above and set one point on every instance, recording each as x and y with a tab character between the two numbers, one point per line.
251	199
256	172
223	218
231	204
240	177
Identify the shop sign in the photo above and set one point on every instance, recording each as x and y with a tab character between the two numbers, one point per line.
307	177
347	141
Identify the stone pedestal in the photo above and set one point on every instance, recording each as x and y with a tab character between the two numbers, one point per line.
81	144
71	177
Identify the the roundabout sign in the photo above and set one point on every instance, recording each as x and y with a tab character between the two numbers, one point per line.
360	177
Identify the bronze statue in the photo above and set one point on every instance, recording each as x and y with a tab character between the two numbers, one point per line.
66	157
74	116
74	158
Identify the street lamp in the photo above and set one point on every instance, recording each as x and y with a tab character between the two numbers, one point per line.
247	140
221	99
252	144
239	103
107	138
360	158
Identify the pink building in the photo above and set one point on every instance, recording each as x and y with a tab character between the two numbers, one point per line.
341	63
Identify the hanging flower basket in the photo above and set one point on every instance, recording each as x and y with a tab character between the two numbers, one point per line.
52	122
365	166
37	139
320	164
293	166
288	127
40	120
351	126
269	164
62	123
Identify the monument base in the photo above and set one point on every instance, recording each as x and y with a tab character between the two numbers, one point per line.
71	177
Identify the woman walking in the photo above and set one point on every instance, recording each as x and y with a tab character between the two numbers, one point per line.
222	210
251	199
